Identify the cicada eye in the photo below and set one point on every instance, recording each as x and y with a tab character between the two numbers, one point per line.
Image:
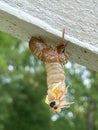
52	104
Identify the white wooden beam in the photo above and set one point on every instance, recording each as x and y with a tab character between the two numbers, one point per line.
24	19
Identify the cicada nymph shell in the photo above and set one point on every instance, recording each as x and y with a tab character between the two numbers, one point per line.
54	60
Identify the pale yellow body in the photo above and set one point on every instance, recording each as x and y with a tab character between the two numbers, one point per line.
56	85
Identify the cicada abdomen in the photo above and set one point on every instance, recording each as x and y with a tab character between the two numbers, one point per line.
56	86
54	60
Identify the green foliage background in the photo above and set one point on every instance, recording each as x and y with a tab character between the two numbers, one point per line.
23	89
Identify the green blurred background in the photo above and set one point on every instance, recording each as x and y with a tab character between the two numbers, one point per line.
23	89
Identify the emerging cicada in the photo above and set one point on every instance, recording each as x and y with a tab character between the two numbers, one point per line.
54	60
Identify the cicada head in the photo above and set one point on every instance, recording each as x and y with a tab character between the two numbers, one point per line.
56	97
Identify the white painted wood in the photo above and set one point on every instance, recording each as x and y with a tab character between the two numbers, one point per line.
24	19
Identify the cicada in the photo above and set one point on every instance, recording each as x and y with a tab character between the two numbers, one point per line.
54	60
